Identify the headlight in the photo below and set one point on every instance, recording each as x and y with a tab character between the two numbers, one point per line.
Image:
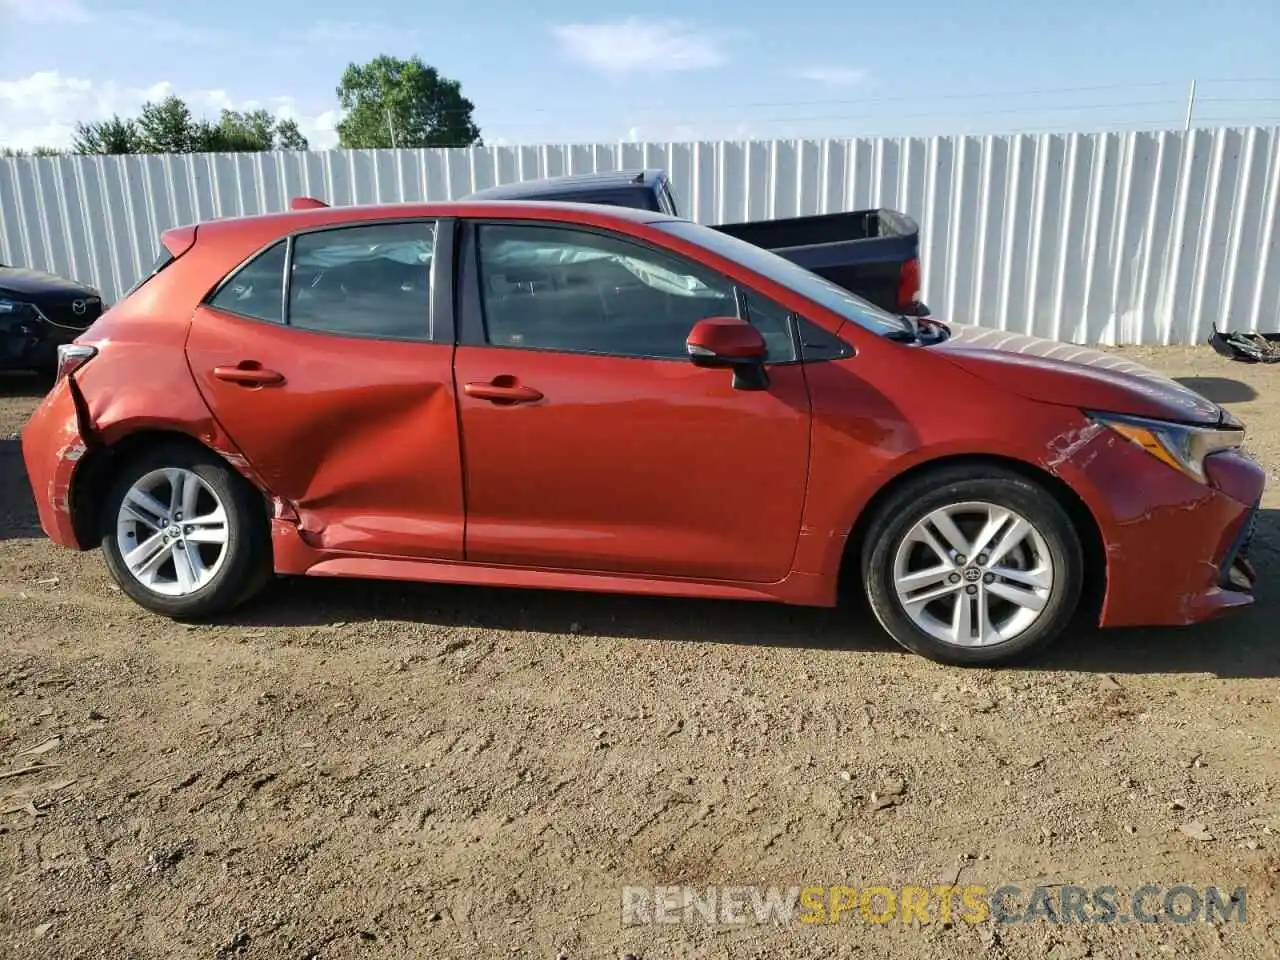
9	306
1180	445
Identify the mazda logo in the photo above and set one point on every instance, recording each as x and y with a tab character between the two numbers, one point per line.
78	307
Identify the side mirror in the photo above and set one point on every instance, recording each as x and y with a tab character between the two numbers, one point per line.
731	343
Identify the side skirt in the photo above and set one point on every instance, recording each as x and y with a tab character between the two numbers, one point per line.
293	556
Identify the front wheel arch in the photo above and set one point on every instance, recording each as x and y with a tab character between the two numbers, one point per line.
1082	518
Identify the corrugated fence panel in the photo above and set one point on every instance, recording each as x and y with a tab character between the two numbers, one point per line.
1089	238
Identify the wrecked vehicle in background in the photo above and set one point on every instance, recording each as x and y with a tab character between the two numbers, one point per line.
38	313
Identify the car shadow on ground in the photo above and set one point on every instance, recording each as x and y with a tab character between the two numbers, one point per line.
18	518
21	384
1220	389
1245	644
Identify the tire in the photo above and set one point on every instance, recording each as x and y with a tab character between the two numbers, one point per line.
232	572
973	496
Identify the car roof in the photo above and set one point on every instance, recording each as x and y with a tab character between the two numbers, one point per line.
550	186
292	221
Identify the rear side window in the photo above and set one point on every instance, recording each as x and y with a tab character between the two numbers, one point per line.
366	281
256	290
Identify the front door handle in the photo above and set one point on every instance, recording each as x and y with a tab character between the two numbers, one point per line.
249	373
503	390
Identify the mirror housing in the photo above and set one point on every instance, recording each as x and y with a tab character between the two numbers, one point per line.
730	342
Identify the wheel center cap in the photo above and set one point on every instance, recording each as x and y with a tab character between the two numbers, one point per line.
972	574
174	530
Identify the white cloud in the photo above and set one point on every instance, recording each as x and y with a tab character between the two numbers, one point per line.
45	11
320	129
122	25
43	109
833	76
632	45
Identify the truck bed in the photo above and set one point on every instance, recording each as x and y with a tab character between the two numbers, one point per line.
863	251
871	253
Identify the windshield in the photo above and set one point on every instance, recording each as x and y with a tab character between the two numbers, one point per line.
804	282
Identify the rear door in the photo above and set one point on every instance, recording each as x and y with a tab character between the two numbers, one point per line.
328	359
591	441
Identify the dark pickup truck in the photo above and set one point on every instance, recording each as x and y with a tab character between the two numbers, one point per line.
872	253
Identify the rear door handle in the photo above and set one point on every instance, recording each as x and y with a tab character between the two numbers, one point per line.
249	373
504	390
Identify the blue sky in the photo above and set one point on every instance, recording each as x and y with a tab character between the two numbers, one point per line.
577	71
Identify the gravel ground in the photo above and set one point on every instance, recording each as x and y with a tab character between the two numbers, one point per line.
384	770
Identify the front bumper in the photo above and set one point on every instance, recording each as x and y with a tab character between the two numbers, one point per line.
1236	572
30	341
1177	549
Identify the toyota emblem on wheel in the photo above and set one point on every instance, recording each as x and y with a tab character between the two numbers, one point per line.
78	307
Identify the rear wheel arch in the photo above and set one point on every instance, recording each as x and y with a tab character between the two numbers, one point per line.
101	464
1082	518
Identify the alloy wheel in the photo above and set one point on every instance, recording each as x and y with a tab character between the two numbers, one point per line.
172	531
973	574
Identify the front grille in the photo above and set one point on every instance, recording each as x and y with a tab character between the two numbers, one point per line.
1246	541
1238	555
63	313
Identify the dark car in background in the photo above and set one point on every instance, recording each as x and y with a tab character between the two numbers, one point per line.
38	312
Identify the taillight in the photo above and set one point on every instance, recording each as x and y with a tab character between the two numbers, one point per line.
909	284
71	357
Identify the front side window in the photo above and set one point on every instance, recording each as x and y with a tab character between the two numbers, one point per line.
576	291
775	324
256	290
368	281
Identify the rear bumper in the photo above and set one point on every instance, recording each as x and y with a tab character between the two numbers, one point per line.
52	448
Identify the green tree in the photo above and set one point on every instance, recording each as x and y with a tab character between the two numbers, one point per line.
33	152
168	127
107	136
257	130
403	103
289	137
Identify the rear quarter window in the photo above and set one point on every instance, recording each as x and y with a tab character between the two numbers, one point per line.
256	290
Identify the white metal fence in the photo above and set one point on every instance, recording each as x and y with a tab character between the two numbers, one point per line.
1090	238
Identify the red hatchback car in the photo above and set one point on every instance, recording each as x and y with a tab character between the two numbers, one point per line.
585	397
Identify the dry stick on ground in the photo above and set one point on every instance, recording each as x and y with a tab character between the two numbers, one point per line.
34	768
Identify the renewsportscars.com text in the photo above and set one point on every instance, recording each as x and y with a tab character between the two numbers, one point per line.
972	904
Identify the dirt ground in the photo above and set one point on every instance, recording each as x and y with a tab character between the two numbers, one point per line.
383	770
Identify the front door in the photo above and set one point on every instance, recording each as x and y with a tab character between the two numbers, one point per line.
343	403
590	440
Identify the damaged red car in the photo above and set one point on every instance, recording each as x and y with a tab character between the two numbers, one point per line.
557	395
